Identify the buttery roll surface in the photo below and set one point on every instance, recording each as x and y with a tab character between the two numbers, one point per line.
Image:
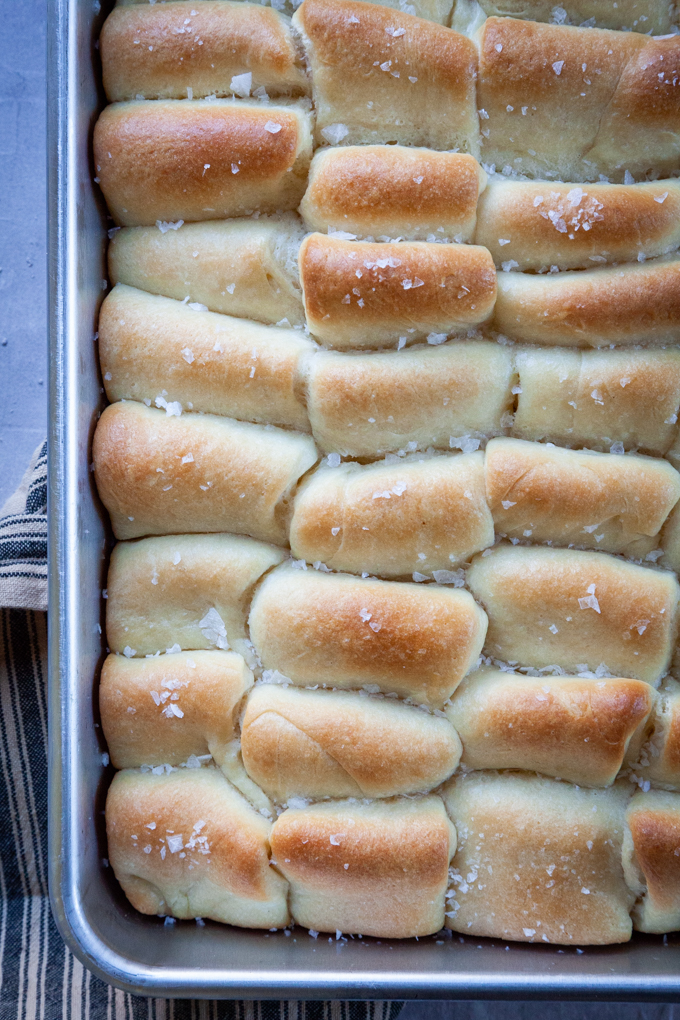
161	474
370	869
382	76
576	610
299	743
651	859
364	294
246	268
547	856
344	631
364	405
576	729
600	501
195	160
433	10
659	758
653	17
213	862
391	191
394	519
150	345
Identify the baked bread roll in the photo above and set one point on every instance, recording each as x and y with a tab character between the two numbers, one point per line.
365	405
372	869
382	76
577	497
298	743
597	398
394	519
150	345
188	845
659	758
651	859
161	474
363	294
246	268
433	10
562	842
653	17
165	160
341	631
576	610
387	191
538	225
572	728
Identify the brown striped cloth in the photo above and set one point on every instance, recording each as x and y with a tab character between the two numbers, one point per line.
39	978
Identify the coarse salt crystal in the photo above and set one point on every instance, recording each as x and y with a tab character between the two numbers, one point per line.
272	127
241	84
213	628
129	652
165	225
188	356
335	133
557	66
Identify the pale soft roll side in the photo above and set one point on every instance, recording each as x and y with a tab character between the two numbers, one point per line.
370	869
576	609
161	474
659	758
651	859
341	631
549	866
393	519
150	345
196	160
299	743
361	294
654	17
433	10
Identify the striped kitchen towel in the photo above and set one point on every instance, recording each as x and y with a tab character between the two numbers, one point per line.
23	539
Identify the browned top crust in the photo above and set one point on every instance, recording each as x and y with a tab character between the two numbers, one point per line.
654	822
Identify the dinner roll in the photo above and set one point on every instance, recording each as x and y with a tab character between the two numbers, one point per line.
166	161
387	191
365	405
161	474
344	631
651	859
653	17
576	610
393	519
537	860
246	268
433	10
213	862
577	497
382	76
659	758
372	869
299	743
573	728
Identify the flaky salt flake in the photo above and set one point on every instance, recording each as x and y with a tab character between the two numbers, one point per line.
529	932
129	652
418	577
188	355
313	933
672	420
175	843
436	338
396	32
241	84
365	615
508	266
586	892
507	503
173	710
272	127
557	66
335	133
375	626
172	650
589	602
333	460
661	198
336	837
628	178
165	225
188	458
172	407
213	628
503	241
617	448
468	444
454	577
196	306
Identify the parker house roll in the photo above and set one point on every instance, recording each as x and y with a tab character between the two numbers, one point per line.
187	844
576	610
393	519
150	345
379	75
570	727
652	17
341	631
651	859
538	860
432	10
659	759
170	160
299	743
598	398
538	225
362	294
161	472
370	869
246	268
389	191
577	497
365	405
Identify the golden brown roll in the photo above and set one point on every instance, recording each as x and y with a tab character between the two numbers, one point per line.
150	345
651	859
165	161
369	869
600	501
432	10
653	17
537	225
659	759
387	191
548	868
576	610
576	729
246	268
187	844
161	472
393	519
382	76
364	405
299	743
341	631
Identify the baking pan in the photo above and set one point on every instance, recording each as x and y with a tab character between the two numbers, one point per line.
141	954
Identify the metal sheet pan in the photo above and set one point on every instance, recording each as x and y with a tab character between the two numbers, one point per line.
139	953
